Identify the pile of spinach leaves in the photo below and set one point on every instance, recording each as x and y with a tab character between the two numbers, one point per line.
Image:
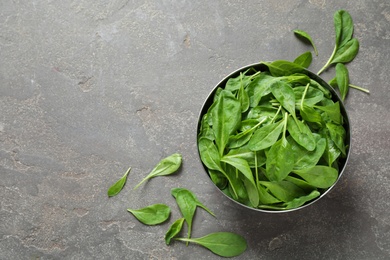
272	139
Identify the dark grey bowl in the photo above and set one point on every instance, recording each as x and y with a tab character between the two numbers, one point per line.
335	98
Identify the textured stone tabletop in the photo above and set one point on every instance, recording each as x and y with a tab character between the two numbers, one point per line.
89	88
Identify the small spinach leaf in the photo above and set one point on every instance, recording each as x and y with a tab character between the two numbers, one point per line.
118	186
224	244
304	59
174	230
342	78
166	166
307	37
319	176
152	215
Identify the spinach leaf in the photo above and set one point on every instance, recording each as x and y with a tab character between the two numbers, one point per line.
283	68
304	158
242	166
118	186
205	129
152	215
166	166
226	117
337	134
260	87
242	138
174	230
283	190
297	202
318	176
304	59
284	93
309	114
234	84
218	179
265	197
265	137
301	134
307	37
331	152
243	96
187	203
346	47
245	153
311	97
280	159
225	244
306	187
342	78
332	111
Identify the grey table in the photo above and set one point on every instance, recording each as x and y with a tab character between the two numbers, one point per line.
90	88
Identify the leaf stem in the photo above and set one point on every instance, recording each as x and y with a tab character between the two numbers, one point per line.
328	62
277	112
139	184
285	126
304	95
359	88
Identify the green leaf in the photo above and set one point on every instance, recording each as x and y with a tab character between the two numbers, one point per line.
284	93
342	78
332	111
226	117
218	178
265	137
304	158
304	59
307	37
283	190
243	97
225	244
243	167
343	27
312	96
152	215
297	202
205	130
174	230
347	52
337	134
319	176
309	114
234	84
260	87
118	186
209	154
265	197
301	134
331	152
166	166
280	160
283	68
187	202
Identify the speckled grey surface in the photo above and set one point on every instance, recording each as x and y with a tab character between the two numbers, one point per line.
91	87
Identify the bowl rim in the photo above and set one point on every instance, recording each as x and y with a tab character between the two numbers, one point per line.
260	66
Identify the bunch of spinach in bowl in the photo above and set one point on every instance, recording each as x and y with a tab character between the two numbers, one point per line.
273	136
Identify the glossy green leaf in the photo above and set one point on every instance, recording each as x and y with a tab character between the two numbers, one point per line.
166	166
174	230
331	152
307	37
260	87
152	215
283	190
309	114
218	178
332	111
243	97
304	59
225	244
226	117
284	93
306	187
279	68
337	134
209	154
265	197
342	78
319	176
304	158
205	129
118	186
343	27
347	52
280	160
187	203
265	137
297	202
312	95
301	134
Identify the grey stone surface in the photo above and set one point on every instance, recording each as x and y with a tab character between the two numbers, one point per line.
91	87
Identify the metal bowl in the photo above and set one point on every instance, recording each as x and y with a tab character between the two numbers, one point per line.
335	97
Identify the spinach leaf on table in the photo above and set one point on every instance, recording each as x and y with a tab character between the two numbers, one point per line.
224	244
307	37
118	186
152	215
166	166
174	230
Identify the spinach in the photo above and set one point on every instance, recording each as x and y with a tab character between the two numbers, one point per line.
346	47
174	230
342	79
118	186
259	154
188	202
224	244
152	215
307	37
226	116
166	166
304	59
